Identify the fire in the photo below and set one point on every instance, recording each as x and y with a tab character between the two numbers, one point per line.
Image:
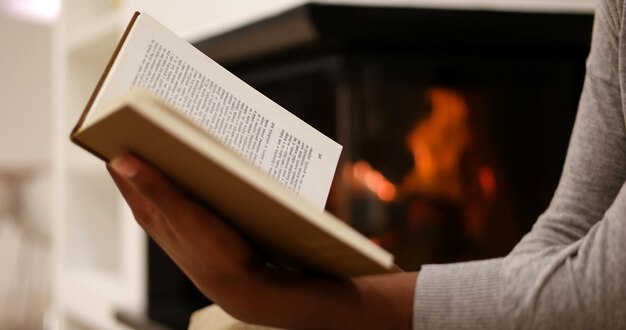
437	144
446	168
440	145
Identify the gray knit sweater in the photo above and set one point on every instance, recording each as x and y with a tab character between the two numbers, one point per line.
569	272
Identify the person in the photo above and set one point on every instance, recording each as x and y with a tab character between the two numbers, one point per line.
567	272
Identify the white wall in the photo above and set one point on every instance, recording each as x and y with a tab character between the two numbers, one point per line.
26	103
25	97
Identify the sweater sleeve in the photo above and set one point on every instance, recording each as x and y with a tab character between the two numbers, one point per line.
568	271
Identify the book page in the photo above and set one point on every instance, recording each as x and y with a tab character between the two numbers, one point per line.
273	139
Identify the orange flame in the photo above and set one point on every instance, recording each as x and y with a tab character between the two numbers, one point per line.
437	144
444	168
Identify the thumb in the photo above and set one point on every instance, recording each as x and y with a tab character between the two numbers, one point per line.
152	185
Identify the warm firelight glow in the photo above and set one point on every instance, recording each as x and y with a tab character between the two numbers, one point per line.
446	168
438	143
365	176
451	186
487	181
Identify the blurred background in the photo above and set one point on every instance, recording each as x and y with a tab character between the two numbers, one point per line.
454	116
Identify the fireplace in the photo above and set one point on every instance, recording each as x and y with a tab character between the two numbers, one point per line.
454	123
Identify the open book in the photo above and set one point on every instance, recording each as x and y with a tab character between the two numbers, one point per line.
264	169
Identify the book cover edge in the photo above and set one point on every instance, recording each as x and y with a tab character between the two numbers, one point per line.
92	98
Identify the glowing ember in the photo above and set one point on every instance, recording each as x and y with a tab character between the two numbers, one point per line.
487	181
363	175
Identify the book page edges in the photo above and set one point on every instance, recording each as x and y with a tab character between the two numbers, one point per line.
101	81
210	148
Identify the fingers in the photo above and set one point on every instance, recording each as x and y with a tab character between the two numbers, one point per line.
150	185
174	220
143	210
159	207
207	249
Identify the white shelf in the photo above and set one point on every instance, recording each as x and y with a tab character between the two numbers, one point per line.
78	161
93	224
84	67
87	36
91	298
100	252
85	20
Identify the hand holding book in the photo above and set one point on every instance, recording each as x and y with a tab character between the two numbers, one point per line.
220	145
226	269
226	144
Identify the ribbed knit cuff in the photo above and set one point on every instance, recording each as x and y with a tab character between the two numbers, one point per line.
458	296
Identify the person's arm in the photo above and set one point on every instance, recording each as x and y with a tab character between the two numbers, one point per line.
571	267
225	268
568	271
594	169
